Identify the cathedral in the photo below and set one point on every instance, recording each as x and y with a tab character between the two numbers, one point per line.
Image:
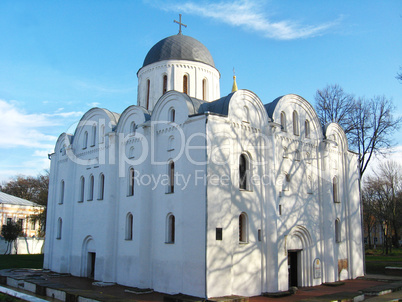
190	192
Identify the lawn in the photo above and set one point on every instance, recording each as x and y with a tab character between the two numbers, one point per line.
376	261
21	261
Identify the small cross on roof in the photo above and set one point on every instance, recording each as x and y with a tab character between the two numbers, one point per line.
180	24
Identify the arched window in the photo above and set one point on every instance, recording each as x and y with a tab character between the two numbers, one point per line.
283	121
129	226
131	182
164	90
132	127
309	185
171	143
286	182
170	228
85	142
295	123
244	172
307	129
82	189
102	134
335	189
243	228
61	192
297	155
101	186
204	89
338	236
93	139
172	115
91	188
148	92
59	228
246	114
171	177
185	84
131	152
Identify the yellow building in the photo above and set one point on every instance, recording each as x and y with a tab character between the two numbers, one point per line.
19	210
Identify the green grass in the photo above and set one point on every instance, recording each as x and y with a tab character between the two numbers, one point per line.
21	261
7	298
376	261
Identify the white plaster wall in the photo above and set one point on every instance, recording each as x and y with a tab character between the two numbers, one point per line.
175	70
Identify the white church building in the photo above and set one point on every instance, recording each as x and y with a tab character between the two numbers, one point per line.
190	192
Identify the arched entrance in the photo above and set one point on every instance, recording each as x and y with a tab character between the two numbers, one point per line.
298	247
88	258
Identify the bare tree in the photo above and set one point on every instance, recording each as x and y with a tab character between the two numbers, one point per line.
369	213
399	74
368	123
334	105
372	127
384	190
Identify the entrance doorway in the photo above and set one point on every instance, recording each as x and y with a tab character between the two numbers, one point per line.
91	265
293	267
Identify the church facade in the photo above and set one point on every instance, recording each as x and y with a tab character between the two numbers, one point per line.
190	192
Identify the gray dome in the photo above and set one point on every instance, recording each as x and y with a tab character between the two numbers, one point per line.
179	47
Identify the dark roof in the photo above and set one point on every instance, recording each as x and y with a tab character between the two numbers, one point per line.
179	47
270	107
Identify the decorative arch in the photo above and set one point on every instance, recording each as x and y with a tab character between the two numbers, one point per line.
170	228
300	240
88	257
243	228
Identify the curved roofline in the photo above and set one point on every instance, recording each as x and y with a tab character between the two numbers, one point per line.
180	47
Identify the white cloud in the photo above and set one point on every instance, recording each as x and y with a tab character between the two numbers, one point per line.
250	15
21	129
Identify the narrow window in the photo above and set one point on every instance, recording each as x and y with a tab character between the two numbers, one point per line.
218	234
297	155
335	189
91	188
338	230
59	228
131	182
170	234
172	115
295	123
101	186
148	91
307	128
61	192
171	177
132	127
21	224
85	142
286	181
82	189
243	171
129	226
309	185
185	84
93	135
283	121
164	84
33	225
246	114
259	235
204	89
131	152
9	220
243	228
102	134
171	143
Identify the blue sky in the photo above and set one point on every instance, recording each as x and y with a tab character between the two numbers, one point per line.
58	59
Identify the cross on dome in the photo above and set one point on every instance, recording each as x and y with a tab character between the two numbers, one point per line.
180	24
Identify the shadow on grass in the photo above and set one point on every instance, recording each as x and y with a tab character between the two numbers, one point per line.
21	261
